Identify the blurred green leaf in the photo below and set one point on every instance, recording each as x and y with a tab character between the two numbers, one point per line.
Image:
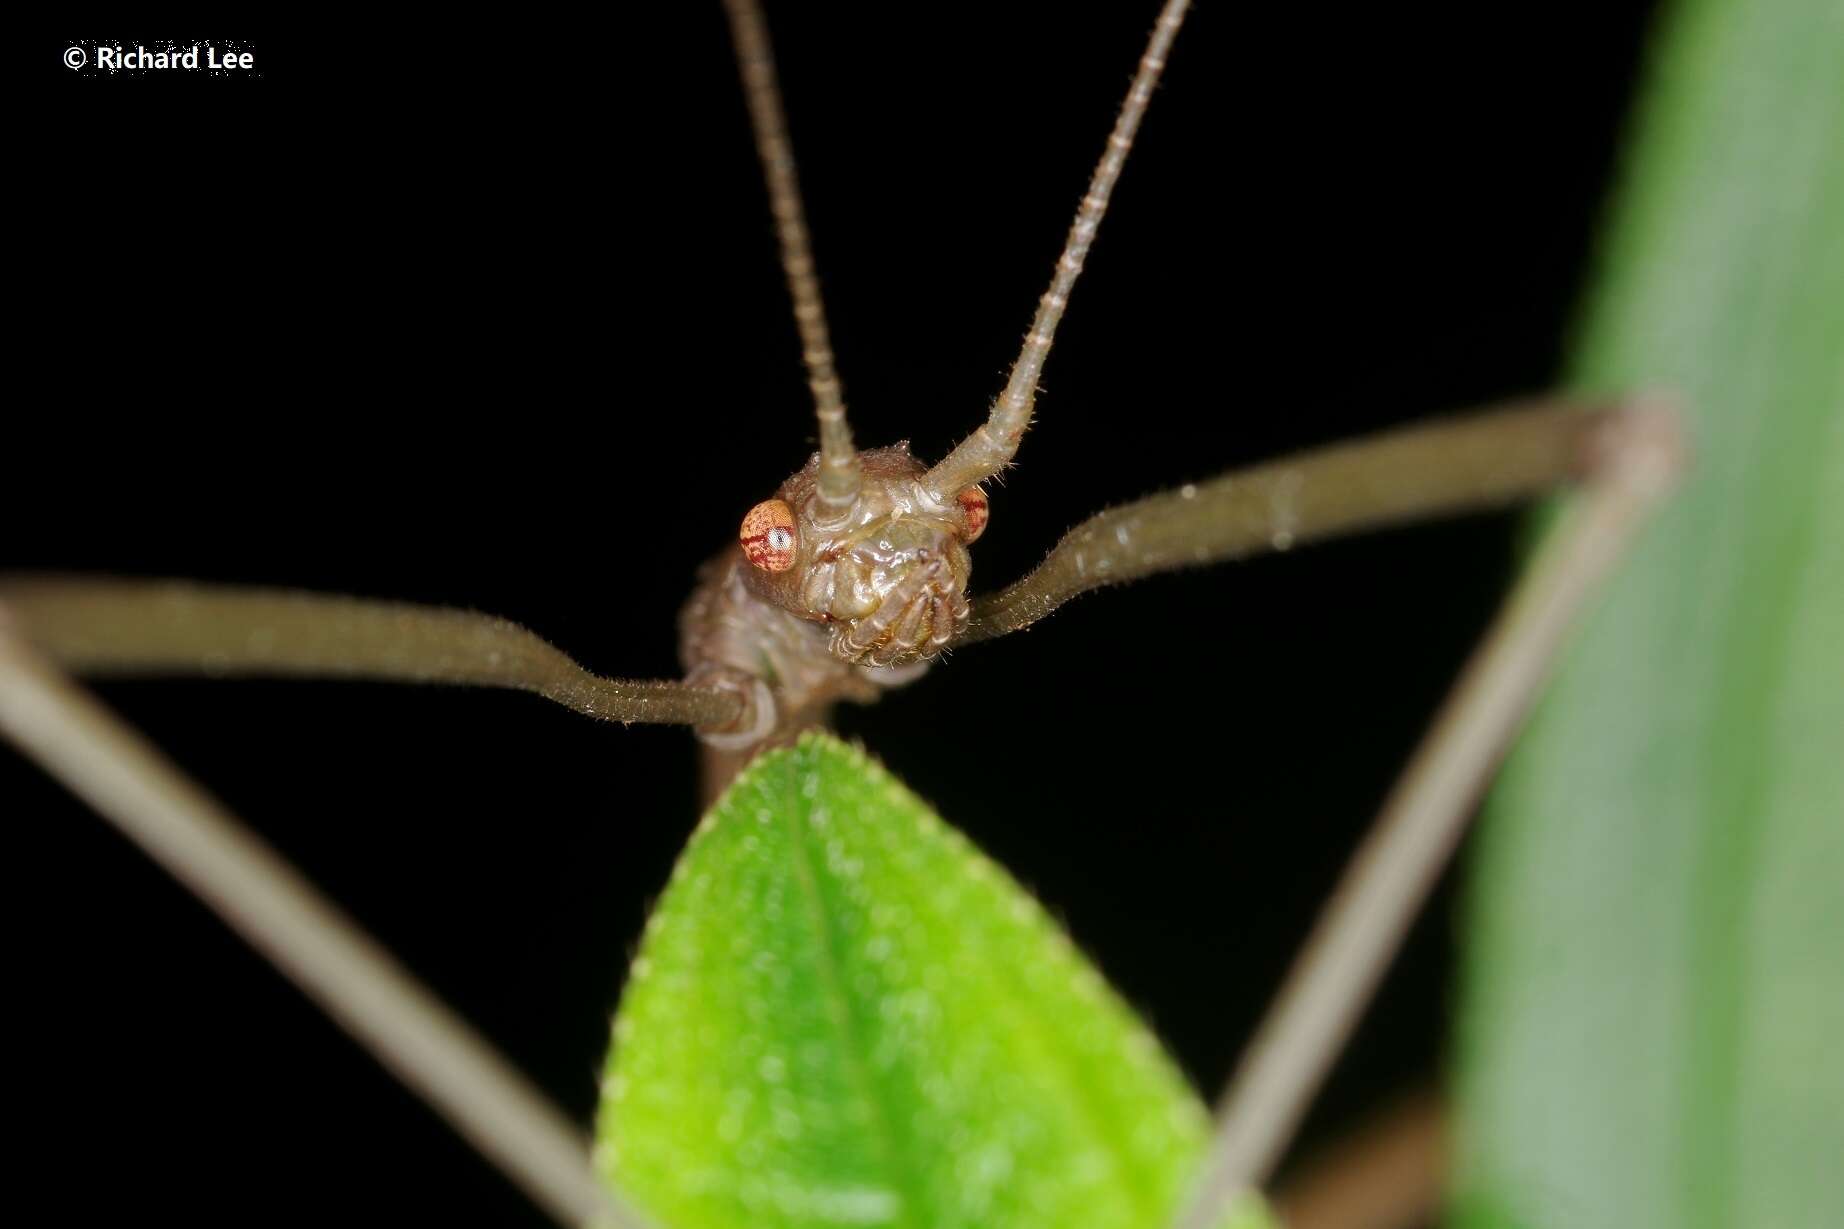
843	1014
1652	1030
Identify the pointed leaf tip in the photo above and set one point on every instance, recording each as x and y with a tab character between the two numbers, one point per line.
844	1014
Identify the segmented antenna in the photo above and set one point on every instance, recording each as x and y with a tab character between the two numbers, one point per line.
838	477
988	449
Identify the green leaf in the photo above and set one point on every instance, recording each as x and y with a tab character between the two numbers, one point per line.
1654	1006
843	1014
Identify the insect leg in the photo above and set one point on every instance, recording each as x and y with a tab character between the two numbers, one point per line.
266	901
1632	460
1434	469
99	626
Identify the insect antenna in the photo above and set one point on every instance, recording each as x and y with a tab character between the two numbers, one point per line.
755	58
987	451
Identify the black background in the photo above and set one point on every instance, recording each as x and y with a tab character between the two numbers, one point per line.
492	318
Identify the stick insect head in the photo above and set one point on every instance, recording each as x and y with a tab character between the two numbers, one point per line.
889	576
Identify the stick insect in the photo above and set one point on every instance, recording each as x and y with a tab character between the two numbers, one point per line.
727	503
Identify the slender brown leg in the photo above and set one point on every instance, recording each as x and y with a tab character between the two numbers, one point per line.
1632	459
1434	469
425	1045
99	626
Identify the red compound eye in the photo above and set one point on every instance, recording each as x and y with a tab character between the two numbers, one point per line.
973	506
768	536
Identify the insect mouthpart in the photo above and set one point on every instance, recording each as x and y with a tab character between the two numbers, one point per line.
917	618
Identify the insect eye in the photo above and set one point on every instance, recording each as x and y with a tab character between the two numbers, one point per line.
973	506
768	536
